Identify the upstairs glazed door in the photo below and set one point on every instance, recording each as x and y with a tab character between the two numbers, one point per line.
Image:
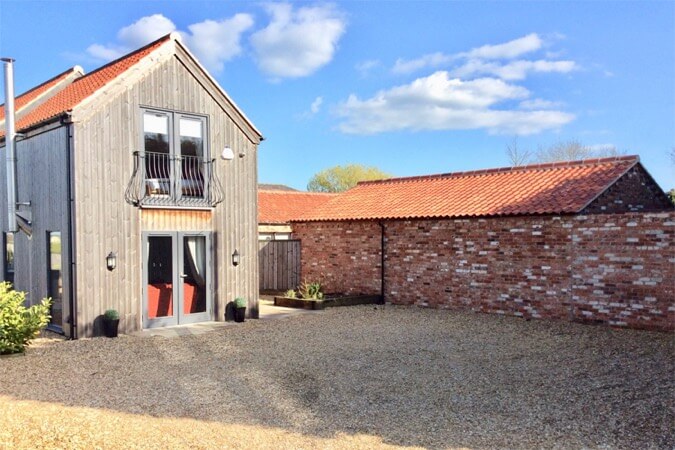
176	278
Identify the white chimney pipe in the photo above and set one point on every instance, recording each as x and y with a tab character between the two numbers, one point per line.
10	144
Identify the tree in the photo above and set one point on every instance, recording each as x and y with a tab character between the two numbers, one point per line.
517	155
572	150
341	178
671	193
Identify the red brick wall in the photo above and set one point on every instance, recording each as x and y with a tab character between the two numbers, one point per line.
345	256
623	269
617	269
635	191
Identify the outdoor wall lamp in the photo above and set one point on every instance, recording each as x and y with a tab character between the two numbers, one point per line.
235	258
227	154
111	261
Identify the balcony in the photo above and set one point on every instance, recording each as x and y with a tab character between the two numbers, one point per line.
165	180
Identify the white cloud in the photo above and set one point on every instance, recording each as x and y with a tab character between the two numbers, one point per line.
538	103
145	30
296	43
365	67
432	60
498	60
316	105
102	53
507	50
438	102
514	70
213	42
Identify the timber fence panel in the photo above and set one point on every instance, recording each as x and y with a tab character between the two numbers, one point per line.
279	263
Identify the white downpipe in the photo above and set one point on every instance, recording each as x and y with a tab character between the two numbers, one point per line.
10	144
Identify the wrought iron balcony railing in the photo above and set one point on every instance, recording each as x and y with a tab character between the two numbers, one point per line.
161	179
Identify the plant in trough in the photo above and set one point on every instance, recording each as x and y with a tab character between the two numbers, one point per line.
310	290
18	324
290	293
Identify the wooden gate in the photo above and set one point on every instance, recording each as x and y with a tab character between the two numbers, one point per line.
279	265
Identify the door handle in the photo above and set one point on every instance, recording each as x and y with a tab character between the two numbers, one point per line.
182	275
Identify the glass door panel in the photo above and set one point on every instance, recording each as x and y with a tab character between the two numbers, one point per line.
160	297
191	131
194	274
177	278
55	278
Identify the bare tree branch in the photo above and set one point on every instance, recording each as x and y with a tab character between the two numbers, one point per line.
517	156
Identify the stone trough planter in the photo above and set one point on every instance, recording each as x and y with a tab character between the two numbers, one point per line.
327	302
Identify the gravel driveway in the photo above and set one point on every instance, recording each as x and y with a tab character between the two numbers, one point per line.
357	377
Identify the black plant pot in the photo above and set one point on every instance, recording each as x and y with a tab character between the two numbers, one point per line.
239	314
110	327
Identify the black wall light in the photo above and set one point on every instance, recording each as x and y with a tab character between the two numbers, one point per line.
111	261
235	258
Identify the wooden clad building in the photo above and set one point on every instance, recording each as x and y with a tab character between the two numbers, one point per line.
137	185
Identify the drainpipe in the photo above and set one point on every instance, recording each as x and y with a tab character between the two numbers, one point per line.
10	145
382	249
72	301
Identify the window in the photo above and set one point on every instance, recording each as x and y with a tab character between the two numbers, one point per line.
175	155
9	257
172	167
55	276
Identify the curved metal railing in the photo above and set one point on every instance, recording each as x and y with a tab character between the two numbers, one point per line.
162	179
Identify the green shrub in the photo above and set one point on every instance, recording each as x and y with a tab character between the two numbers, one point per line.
111	314
18	324
310	291
290	293
239	302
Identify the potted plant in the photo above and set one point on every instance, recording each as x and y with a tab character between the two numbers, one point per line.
111	321
239	309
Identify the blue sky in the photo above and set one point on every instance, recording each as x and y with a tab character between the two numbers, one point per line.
410	87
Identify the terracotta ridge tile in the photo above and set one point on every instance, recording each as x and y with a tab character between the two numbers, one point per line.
513	169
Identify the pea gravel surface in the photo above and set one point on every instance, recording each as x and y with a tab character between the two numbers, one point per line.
356	377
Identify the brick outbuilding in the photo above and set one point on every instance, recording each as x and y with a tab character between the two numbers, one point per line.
584	240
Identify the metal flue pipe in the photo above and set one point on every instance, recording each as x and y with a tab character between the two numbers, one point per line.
10	144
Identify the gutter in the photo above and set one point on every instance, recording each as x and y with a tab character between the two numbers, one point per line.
72	301
382	249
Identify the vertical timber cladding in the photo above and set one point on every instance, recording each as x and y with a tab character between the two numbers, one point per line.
104	143
42	180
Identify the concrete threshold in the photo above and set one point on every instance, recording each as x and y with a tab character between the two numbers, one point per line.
267	311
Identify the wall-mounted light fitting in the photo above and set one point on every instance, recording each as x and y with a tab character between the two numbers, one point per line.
235	258
111	261
227	154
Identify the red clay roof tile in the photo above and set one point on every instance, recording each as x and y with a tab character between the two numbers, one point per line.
29	96
554	188
66	99
276	206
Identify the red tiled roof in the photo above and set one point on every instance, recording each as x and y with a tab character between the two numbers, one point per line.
282	206
555	188
29	96
66	99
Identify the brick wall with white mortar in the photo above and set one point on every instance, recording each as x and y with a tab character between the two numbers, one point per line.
615	269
